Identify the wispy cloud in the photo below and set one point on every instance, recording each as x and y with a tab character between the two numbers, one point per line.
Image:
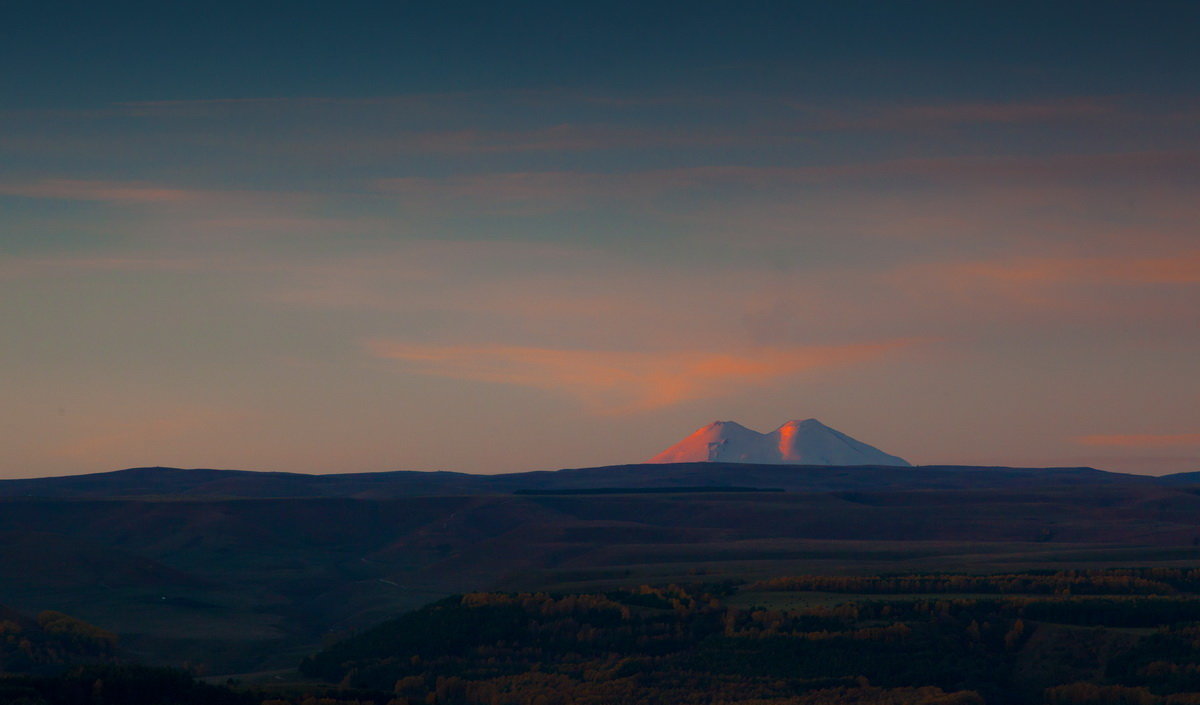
125	192
977	113
861	115
1140	440
1091	167
58	266
1027	178
437	101
563	137
623	382
1181	268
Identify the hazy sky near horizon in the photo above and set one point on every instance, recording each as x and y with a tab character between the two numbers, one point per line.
345	237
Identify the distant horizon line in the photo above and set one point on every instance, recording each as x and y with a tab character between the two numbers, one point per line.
914	467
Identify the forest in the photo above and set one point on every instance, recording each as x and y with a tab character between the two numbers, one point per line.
1079	637
1125	636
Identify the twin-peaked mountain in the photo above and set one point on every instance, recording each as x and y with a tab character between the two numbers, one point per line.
799	456
807	442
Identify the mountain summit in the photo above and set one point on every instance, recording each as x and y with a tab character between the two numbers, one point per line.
807	442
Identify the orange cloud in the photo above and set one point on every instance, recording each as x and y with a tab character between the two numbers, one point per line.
1144	440
621	382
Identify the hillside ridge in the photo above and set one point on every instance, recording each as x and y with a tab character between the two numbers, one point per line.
199	483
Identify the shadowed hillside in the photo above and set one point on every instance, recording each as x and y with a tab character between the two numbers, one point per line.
175	482
231	585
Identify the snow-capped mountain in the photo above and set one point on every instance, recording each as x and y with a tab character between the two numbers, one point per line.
808	442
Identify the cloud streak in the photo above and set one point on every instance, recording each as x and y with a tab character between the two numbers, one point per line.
967	113
541	191
1182	268
1140	440
120	192
617	382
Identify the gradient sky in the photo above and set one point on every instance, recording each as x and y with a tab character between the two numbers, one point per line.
345	237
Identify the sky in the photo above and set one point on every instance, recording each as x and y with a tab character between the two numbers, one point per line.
494	237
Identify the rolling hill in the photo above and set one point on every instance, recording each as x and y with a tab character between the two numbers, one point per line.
235	571
206	483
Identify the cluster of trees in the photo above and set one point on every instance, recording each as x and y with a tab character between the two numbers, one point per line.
687	645
1093	694
1006	645
1118	611
117	685
1133	581
50	642
1115	611
544	689
673	645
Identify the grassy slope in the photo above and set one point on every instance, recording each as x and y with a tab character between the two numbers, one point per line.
253	584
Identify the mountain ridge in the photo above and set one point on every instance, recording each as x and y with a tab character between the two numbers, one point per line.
796	442
200	483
